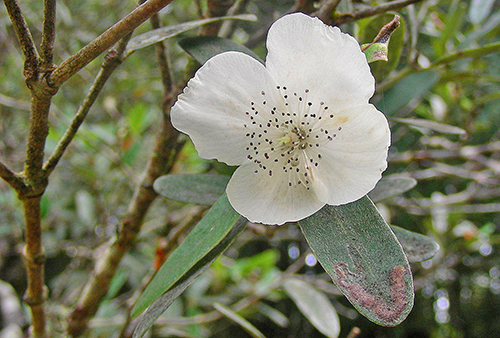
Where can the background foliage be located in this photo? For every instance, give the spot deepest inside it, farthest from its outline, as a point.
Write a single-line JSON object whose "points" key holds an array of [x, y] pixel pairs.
{"points": [[456, 201]]}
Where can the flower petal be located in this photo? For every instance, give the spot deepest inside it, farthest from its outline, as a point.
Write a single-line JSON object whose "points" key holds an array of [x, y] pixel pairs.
{"points": [[303, 53], [212, 108], [353, 162], [262, 198]]}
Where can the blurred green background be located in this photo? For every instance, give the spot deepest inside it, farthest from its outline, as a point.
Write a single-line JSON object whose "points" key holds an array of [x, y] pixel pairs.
{"points": [[456, 201]]}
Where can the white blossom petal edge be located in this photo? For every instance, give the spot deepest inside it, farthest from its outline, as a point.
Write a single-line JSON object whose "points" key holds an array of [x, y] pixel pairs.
{"points": [[300, 128]]}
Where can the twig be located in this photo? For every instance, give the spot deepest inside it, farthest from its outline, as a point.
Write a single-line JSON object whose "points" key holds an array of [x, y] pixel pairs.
{"points": [[13, 103], [414, 68], [215, 8], [111, 61], [325, 12], [11, 178], [160, 162], [163, 63], [468, 53], [48, 35], [227, 26], [355, 331], [24, 37], [104, 41], [360, 14]]}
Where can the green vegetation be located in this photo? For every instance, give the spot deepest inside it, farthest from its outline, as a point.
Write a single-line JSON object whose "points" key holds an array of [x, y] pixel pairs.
{"points": [[105, 231]]}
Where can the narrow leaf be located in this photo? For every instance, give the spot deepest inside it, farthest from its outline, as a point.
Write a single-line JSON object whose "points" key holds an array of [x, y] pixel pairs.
{"points": [[203, 48], [412, 87], [160, 34], [364, 259], [203, 189], [417, 247], [245, 324], [436, 126], [197, 246], [314, 305], [274, 315], [391, 186], [479, 10], [161, 304]]}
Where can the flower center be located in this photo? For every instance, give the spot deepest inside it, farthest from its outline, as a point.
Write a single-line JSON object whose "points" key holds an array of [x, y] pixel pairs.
{"points": [[288, 140]]}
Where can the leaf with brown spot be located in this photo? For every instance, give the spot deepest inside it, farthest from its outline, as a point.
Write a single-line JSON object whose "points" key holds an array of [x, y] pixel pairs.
{"points": [[363, 257]]}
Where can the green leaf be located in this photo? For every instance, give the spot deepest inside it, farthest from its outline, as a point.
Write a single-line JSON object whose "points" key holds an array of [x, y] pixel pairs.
{"points": [[314, 305], [204, 243], [203, 189], [411, 87], [163, 33], [436, 126], [479, 10], [391, 186], [245, 324], [375, 52], [452, 22], [274, 315], [163, 302], [417, 247], [202, 48], [364, 259]]}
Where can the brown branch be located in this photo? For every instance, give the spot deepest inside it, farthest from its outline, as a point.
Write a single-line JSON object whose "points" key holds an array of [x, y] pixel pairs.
{"points": [[360, 14], [24, 37], [325, 12], [37, 135], [160, 162], [215, 8], [104, 41], [163, 63], [14, 180], [48, 35], [36, 292], [112, 60]]}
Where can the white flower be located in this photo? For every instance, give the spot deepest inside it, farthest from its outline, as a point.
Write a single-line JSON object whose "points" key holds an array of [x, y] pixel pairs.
{"points": [[300, 128]]}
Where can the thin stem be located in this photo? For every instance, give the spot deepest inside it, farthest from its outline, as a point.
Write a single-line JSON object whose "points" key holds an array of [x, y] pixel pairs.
{"points": [[468, 53], [325, 12], [360, 14], [11, 178], [13, 103], [355, 331], [48, 35], [24, 37], [215, 8], [111, 61], [104, 41], [34, 259], [162, 57], [160, 162]]}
